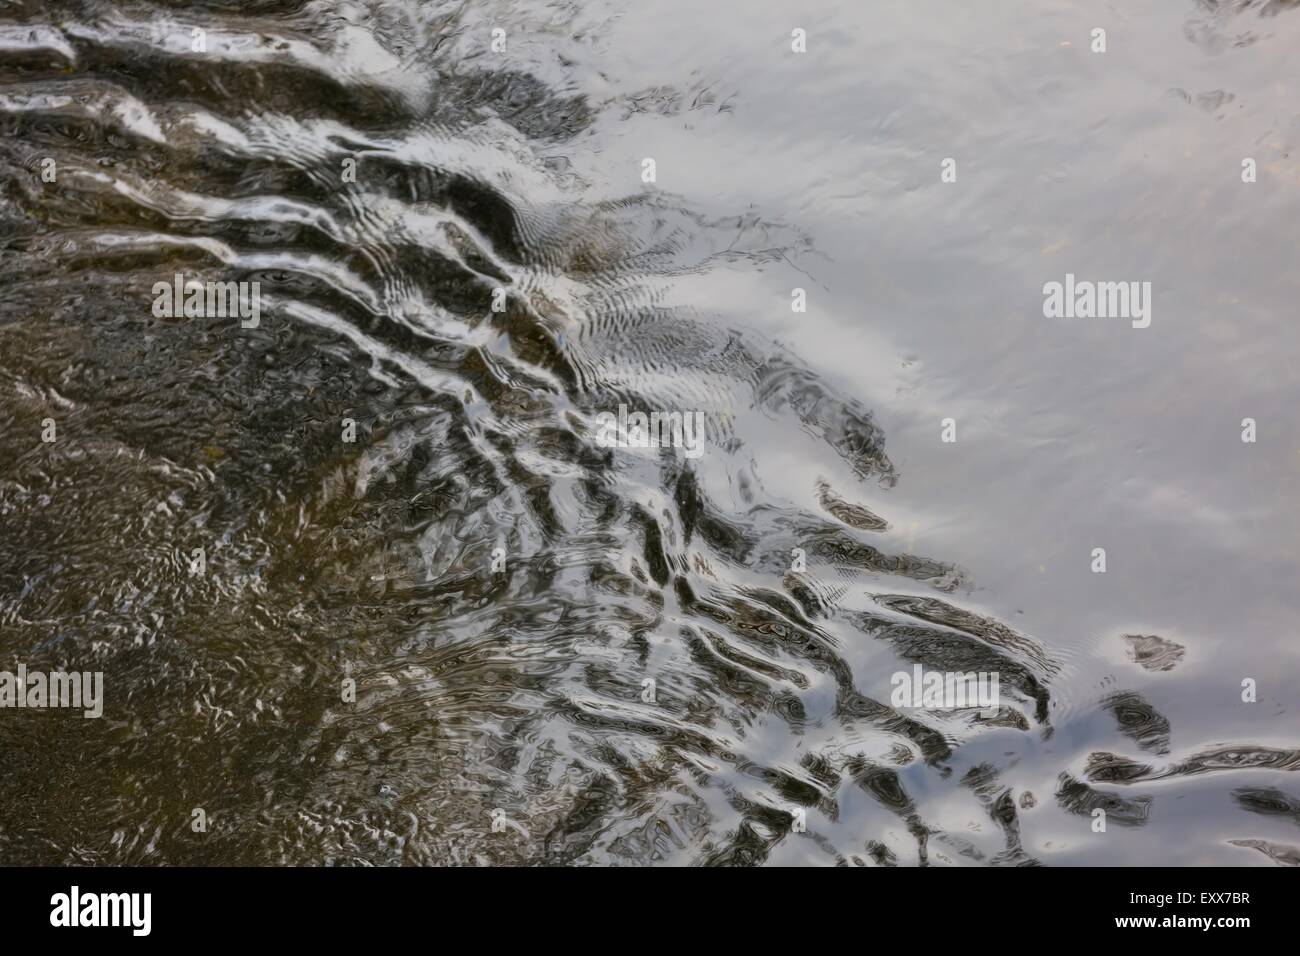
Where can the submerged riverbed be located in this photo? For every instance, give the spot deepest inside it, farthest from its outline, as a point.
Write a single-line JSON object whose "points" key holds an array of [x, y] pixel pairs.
{"points": [[371, 580]]}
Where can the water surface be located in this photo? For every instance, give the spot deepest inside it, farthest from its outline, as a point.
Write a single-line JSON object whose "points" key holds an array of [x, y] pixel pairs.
{"points": [[502, 712]]}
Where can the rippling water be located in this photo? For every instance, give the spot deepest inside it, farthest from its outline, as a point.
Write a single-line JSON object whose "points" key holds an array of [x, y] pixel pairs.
{"points": [[570, 653]]}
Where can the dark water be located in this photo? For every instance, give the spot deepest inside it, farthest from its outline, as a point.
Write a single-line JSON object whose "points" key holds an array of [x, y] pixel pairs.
{"points": [[501, 714]]}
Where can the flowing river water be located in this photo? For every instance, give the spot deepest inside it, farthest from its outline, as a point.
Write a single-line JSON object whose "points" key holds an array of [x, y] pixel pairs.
{"points": [[474, 634]]}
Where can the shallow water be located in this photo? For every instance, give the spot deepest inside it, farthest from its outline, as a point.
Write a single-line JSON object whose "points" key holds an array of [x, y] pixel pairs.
{"points": [[499, 585]]}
